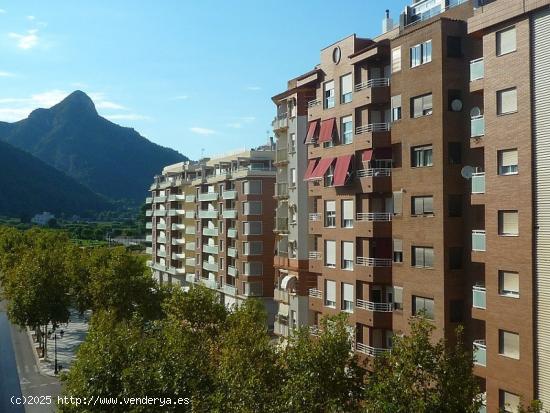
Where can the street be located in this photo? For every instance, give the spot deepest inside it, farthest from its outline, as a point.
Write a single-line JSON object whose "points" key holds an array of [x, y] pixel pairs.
{"points": [[19, 375]]}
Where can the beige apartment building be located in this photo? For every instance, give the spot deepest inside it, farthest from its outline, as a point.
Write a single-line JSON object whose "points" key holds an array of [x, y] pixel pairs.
{"points": [[427, 186]]}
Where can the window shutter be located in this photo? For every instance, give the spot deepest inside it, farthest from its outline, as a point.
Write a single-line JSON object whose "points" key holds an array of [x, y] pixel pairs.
{"points": [[397, 245], [418, 256], [511, 401], [398, 202], [396, 101], [428, 204], [509, 158], [398, 295], [346, 84], [427, 102], [330, 252], [506, 41], [418, 205], [509, 222], [330, 290], [396, 59], [511, 344], [347, 292], [330, 206], [347, 207], [428, 257], [417, 107], [510, 281], [347, 251], [508, 101]]}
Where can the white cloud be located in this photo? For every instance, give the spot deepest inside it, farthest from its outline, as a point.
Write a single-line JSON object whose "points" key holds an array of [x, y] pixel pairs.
{"points": [[25, 41], [127, 116], [6, 74], [106, 104], [180, 97], [239, 122], [202, 131], [253, 88], [31, 18], [2, 11]]}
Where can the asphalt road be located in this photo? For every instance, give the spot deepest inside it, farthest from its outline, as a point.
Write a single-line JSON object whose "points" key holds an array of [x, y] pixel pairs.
{"points": [[19, 375]]}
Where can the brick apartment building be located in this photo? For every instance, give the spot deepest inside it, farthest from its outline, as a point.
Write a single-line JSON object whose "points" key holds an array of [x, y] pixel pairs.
{"points": [[427, 187]]}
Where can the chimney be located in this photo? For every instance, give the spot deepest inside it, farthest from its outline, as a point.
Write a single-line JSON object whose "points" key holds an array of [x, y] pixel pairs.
{"points": [[387, 23], [271, 143]]}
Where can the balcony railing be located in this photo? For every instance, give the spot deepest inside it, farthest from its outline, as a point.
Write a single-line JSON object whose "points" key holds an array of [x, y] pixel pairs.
{"points": [[209, 283], [190, 198], [479, 299], [381, 82], [371, 306], [190, 262], [160, 213], [210, 249], [370, 351], [159, 199], [281, 190], [373, 262], [281, 155], [478, 183], [480, 352], [229, 194], [148, 200], [231, 232], [232, 252], [313, 103], [190, 278], [210, 232], [149, 238], [372, 127], [315, 216], [281, 224], [190, 230], [189, 214], [478, 240], [149, 213], [231, 270], [229, 289], [280, 121], [229, 214], [373, 172], [161, 240], [208, 214], [374, 216], [149, 225], [477, 69], [161, 225], [176, 197], [208, 196], [178, 241], [161, 254], [315, 293], [477, 126], [210, 266], [315, 255], [177, 256], [148, 250], [178, 227], [190, 246]]}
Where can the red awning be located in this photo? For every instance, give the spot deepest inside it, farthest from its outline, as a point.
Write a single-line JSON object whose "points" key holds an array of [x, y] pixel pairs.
{"points": [[367, 155], [311, 129], [341, 170], [383, 153], [327, 128], [310, 167], [322, 168]]}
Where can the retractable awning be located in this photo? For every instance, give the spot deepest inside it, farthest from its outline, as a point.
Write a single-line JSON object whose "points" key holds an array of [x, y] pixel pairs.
{"points": [[322, 168], [310, 168], [311, 129], [327, 129], [341, 170]]}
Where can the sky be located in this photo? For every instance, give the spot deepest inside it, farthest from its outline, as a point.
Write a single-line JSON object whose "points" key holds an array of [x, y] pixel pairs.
{"points": [[196, 76]]}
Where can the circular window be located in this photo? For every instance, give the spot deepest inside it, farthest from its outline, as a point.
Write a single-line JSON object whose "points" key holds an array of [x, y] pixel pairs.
{"points": [[336, 54]]}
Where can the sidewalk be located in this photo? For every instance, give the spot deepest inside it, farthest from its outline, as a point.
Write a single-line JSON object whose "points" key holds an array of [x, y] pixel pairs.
{"points": [[74, 334]]}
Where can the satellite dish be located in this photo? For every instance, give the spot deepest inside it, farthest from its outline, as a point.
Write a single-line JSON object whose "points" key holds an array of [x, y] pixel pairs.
{"points": [[467, 172], [475, 112], [456, 105]]}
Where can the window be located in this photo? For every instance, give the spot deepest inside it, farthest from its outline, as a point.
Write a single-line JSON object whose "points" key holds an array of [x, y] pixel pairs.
{"points": [[293, 177], [506, 41], [508, 284], [347, 255], [455, 258], [330, 254], [397, 202], [292, 143], [347, 297], [421, 156], [397, 250], [456, 311], [508, 223], [508, 162], [347, 213], [252, 228], [509, 402], [329, 94], [254, 289], [395, 108], [330, 293], [329, 177], [398, 298], [507, 101], [253, 268], [455, 153], [347, 130], [253, 247], [454, 46], [422, 205], [421, 106], [508, 344], [423, 306], [421, 53], [455, 206], [221, 264], [221, 245], [252, 208], [396, 59], [330, 214], [252, 187], [346, 88], [422, 257]]}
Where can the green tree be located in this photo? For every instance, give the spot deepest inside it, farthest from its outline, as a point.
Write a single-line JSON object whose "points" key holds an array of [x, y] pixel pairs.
{"points": [[323, 375], [421, 376]]}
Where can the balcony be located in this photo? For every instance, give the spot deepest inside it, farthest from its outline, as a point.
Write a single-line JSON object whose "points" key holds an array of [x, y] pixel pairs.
{"points": [[190, 246], [478, 183], [159, 213], [373, 269], [190, 262], [209, 283], [149, 213], [313, 103], [479, 299], [210, 232], [208, 214], [372, 127], [232, 252], [281, 295], [210, 249], [377, 307], [229, 194], [178, 256], [189, 214], [190, 198], [176, 212], [372, 83], [161, 225], [477, 126], [148, 250], [231, 270], [477, 69], [208, 196], [210, 266], [315, 293], [231, 232], [281, 225], [178, 241], [245, 172], [159, 199], [373, 262], [149, 238], [372, 91], [478, 240], [161, 240], [190, 230], [374, 216], [149, 225], [178, 227], [281, 156], [370, 351], [190, 278], [176, 197], [229, 214], [480, 352], [281, 190], [315, 262], [280, 121], [315, 216], [161, 254], [149, 200], [229, 289], [280, 329]]}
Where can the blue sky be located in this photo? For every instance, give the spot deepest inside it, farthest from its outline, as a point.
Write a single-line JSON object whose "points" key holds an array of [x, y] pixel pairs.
{"points": [[192, 75]]}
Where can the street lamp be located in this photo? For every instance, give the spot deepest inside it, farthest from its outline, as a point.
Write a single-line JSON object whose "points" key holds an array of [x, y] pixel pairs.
{"points": [[56, 368]]}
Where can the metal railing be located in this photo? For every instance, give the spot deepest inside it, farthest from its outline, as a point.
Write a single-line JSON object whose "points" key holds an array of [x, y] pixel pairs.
{"points": [[374, 216], [210, 266], [208, 196], [315, 216], [231, 232], [370, 351], [478, 183], [210, 249], [478, 240], [480, 352], [231, 270], [315, 293], [477, 69], [229, 289], [373, 262], [208, 213], [229, 214], [314, 255], [373, 172], [313, 103], [380, 82], [232, 252], [210, 232], [372, 127], [371, 306], [231, 194], [479, 299]]}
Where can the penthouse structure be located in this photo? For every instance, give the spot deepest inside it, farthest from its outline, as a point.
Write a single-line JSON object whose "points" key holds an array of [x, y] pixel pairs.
{"points": [[427, 185]]}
